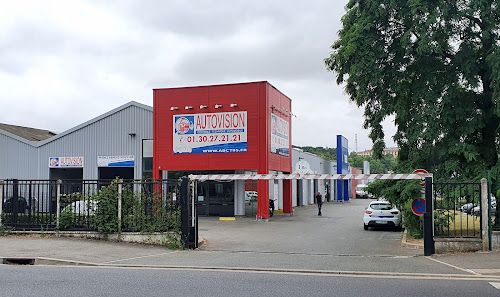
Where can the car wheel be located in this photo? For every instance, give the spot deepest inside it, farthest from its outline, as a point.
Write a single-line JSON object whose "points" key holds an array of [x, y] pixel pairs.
{"points": [[398, 228], [365, 226]]}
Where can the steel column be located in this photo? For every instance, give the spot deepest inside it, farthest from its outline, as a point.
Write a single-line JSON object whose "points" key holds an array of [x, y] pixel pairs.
{"points": [[429, 247], [185, 212]]}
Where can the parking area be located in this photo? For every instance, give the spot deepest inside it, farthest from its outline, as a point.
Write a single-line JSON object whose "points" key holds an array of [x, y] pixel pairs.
{"points": [[339, 231]]}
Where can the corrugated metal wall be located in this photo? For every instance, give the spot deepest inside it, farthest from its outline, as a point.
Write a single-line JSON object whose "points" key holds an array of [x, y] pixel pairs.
{"points": [[108, 136], [17, 159]]}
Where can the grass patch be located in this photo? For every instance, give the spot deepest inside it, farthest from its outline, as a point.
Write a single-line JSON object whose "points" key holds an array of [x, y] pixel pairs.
{"points": [[456, 224]]}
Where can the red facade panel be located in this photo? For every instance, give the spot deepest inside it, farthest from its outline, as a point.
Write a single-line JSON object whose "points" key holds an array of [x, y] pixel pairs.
{"points": [[251, 100]]}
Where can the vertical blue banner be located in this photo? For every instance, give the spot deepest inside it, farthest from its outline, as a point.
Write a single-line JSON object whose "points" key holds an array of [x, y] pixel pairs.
{"points": [[342, 168]]}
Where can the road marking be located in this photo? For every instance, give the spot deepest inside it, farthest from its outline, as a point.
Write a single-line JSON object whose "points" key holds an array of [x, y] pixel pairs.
{"points": [[496, 285], [227, 219], [456, 267], [141, 257], [324, 273]]}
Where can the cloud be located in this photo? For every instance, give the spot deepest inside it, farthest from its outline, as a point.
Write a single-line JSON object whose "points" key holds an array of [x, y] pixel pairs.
{"points": [[63, 63]]}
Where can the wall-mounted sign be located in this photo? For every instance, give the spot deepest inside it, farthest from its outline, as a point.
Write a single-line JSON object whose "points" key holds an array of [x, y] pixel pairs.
{"points": [[115, 161], [206, 133], [55, 162], [302, 167], [280, 140]]}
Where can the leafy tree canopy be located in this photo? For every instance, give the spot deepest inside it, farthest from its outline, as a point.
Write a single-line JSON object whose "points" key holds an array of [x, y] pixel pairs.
{"points": [[384, 165], [323, 152], [435, 66]]}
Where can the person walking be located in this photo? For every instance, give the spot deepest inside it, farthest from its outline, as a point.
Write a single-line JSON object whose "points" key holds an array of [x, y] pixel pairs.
{"points": [[318, 199]]}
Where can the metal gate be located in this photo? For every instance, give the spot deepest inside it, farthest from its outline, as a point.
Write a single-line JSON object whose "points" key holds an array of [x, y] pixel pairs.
{"points": [[457, 210]]}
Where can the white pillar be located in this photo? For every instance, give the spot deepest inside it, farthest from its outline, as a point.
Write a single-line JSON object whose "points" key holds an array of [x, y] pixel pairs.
{"points": [[239, 197], [280, 194], [484, 214]]}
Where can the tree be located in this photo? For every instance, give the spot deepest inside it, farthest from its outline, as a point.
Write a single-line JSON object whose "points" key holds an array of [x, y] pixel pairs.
{"points": [[435, 66], [323, 152], [355, 160], [386, 164]]}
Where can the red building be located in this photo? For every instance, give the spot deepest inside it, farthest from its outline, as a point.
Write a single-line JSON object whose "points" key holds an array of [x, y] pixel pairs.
{"points": [[234, 128]]}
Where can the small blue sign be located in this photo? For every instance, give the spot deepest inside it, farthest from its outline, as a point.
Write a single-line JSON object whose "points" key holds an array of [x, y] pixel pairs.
{"points": [[418, 206]]}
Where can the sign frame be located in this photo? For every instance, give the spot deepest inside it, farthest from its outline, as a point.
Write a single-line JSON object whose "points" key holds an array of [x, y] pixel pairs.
{"points": [[208, 133], [66, 162], [418, 206]]}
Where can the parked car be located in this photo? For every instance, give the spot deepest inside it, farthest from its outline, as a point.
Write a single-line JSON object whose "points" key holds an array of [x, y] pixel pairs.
{"points": [[250, 196], [361, 192], [467, 208], [23, 205], [83, 207], [382, 213], [493, 208]]}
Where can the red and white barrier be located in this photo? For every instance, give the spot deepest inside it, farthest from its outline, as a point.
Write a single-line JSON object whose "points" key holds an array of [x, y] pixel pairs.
{"points": [[220, 177]]}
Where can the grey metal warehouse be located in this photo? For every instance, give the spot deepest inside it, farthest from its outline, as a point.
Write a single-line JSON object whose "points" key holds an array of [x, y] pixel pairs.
{"points": [[117, 143]]}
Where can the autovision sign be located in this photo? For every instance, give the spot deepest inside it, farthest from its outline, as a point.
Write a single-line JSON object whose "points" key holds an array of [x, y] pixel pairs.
{"points": [[55, 162], [205, 133], [280, 139]]}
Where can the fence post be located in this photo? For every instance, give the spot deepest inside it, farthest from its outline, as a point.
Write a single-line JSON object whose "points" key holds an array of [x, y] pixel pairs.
{"points": [[484, 214], [120, 185], [193, 230], [429, 247], [490, 247], [58, 202], [1, 201], [185, 212]]}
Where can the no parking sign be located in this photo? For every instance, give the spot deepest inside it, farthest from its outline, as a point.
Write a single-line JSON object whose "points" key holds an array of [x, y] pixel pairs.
{"points": [[418, 206], [421, 171]]}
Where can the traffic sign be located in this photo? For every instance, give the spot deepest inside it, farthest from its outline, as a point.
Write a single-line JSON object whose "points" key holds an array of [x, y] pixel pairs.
{"points": [[302, 167], [418, 206], [421, 171]]}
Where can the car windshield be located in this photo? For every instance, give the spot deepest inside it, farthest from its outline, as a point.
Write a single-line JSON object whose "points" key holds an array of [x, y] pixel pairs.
{"points": [[381, 206]]}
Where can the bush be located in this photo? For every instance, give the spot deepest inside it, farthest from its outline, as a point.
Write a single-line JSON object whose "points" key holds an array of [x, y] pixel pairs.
{"points": [[143, 211], [106, 215], [67, 219], [412, 222]]}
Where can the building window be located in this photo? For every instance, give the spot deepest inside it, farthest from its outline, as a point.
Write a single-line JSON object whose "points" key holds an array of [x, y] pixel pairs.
{"points": [[147, 158]]}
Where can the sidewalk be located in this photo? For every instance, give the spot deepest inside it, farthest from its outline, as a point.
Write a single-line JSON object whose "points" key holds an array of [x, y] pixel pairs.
{"points": [[303, 242]]}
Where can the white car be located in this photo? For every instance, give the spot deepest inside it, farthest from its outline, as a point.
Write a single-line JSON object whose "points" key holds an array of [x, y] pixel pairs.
{"points": [[493, 208], [250, 196], [382, 213], [362, 193], [83, 207]]}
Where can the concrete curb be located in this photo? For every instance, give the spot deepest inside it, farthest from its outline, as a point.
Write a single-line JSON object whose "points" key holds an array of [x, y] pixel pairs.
{"points": [[157, 238], [61, 262], [406, 244]]}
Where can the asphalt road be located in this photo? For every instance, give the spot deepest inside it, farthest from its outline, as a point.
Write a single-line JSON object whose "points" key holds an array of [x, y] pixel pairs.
{"points": [[86, 281], [339, 231]]}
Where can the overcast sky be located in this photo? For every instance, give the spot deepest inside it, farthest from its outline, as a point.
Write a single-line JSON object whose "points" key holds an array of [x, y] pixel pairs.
{"points": [[65, 62]]}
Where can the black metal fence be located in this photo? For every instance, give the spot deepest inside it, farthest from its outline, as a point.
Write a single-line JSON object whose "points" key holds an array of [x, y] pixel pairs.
{"points": [[457, 210], [134, 205]]}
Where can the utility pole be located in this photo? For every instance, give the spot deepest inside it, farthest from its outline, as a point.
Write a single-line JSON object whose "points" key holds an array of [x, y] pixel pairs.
{"points": [[356, 142]]}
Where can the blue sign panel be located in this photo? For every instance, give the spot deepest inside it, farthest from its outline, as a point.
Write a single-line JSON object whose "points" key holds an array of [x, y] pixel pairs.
{"points": [[342, 168]]}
